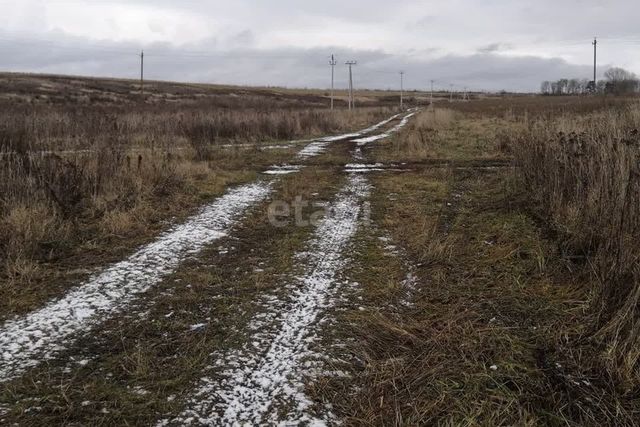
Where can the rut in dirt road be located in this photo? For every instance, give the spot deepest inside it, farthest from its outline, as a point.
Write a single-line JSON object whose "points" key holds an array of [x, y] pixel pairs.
{"points": [[263, 382], [27, 341], [374, 138], [321, 144], [266, 376]]}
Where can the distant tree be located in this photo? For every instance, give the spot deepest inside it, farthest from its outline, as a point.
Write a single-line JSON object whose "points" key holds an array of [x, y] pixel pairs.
{"points": [[617, 74], [563, 85], [584, 86], [620, 81], [600, 86], [573, 87]]}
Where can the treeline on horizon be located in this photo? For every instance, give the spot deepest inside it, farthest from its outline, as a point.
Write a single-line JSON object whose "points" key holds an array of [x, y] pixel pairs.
{"points": [[617, 81]]}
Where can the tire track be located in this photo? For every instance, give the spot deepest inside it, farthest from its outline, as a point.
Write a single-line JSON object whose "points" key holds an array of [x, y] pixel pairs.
{"points": [[263, 382], [366, 140], [28, 340], [266, 375]]}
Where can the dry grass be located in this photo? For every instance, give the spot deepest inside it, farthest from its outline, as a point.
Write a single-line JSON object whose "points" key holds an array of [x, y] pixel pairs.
{"points": [[500, 327], [100, 179], [582, 172], [438, 134], [484, 341], [70, 90], [522, 107]]}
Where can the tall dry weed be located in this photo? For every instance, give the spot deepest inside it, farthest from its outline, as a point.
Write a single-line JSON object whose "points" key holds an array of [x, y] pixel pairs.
{"points": [[99, 170], [584, 174]]}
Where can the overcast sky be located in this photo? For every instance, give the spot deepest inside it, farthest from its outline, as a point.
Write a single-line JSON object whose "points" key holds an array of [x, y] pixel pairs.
{"points": [[488, 44]]}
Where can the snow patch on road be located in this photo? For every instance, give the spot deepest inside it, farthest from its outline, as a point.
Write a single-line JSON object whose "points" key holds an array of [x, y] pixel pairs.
{"points": [[314, 149], [396, 128], [268, 373], [356, 166], [376, 167], [283, 170], [27, 341], [320, 145], [359, 133]]}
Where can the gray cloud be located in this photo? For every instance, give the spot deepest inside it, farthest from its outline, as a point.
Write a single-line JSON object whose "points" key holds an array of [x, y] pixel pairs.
{"points": [[293, 67], [494, 45]]}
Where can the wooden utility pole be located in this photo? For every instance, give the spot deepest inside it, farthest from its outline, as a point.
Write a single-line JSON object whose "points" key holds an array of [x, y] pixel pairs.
{"points": [[351, 98], [142, 72], [595, 62], [431, 100], [333, 64], [401, 90]]}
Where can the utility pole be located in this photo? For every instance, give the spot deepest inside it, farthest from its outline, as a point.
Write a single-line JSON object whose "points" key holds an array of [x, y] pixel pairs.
{"points": [[451, 93], [333, 64], [142, 72], [431, 100], [401, 90], [595, 63], [351, 99]]}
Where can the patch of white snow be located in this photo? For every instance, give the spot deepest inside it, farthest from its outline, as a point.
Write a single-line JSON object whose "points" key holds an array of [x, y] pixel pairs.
{"points": [[268, 372]]}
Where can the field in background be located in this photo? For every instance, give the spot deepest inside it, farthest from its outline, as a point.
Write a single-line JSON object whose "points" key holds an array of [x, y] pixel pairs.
{"points": [[28, 88]]}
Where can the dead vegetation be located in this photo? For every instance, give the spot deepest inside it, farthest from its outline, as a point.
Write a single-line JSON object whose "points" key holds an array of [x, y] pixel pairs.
{"points": [[524, 309], [444, 134], [81, 185], [583, 177], [144, 368]]}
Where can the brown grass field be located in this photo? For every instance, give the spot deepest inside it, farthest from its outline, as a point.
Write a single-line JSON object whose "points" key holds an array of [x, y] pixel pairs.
{"points": [[496, 283]]}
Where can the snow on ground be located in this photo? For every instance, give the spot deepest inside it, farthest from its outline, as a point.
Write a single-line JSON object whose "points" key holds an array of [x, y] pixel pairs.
{"points": [[373, 167], [313, 149], [268, 373], [410, 282], [320, 145], [28, 340], [364, 168], [282, 170], [356, 166], [374, 138], [360, 133]]}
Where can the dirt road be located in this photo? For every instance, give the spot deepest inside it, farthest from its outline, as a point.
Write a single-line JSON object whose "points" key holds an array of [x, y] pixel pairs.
{"points": [[259, 381]]}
